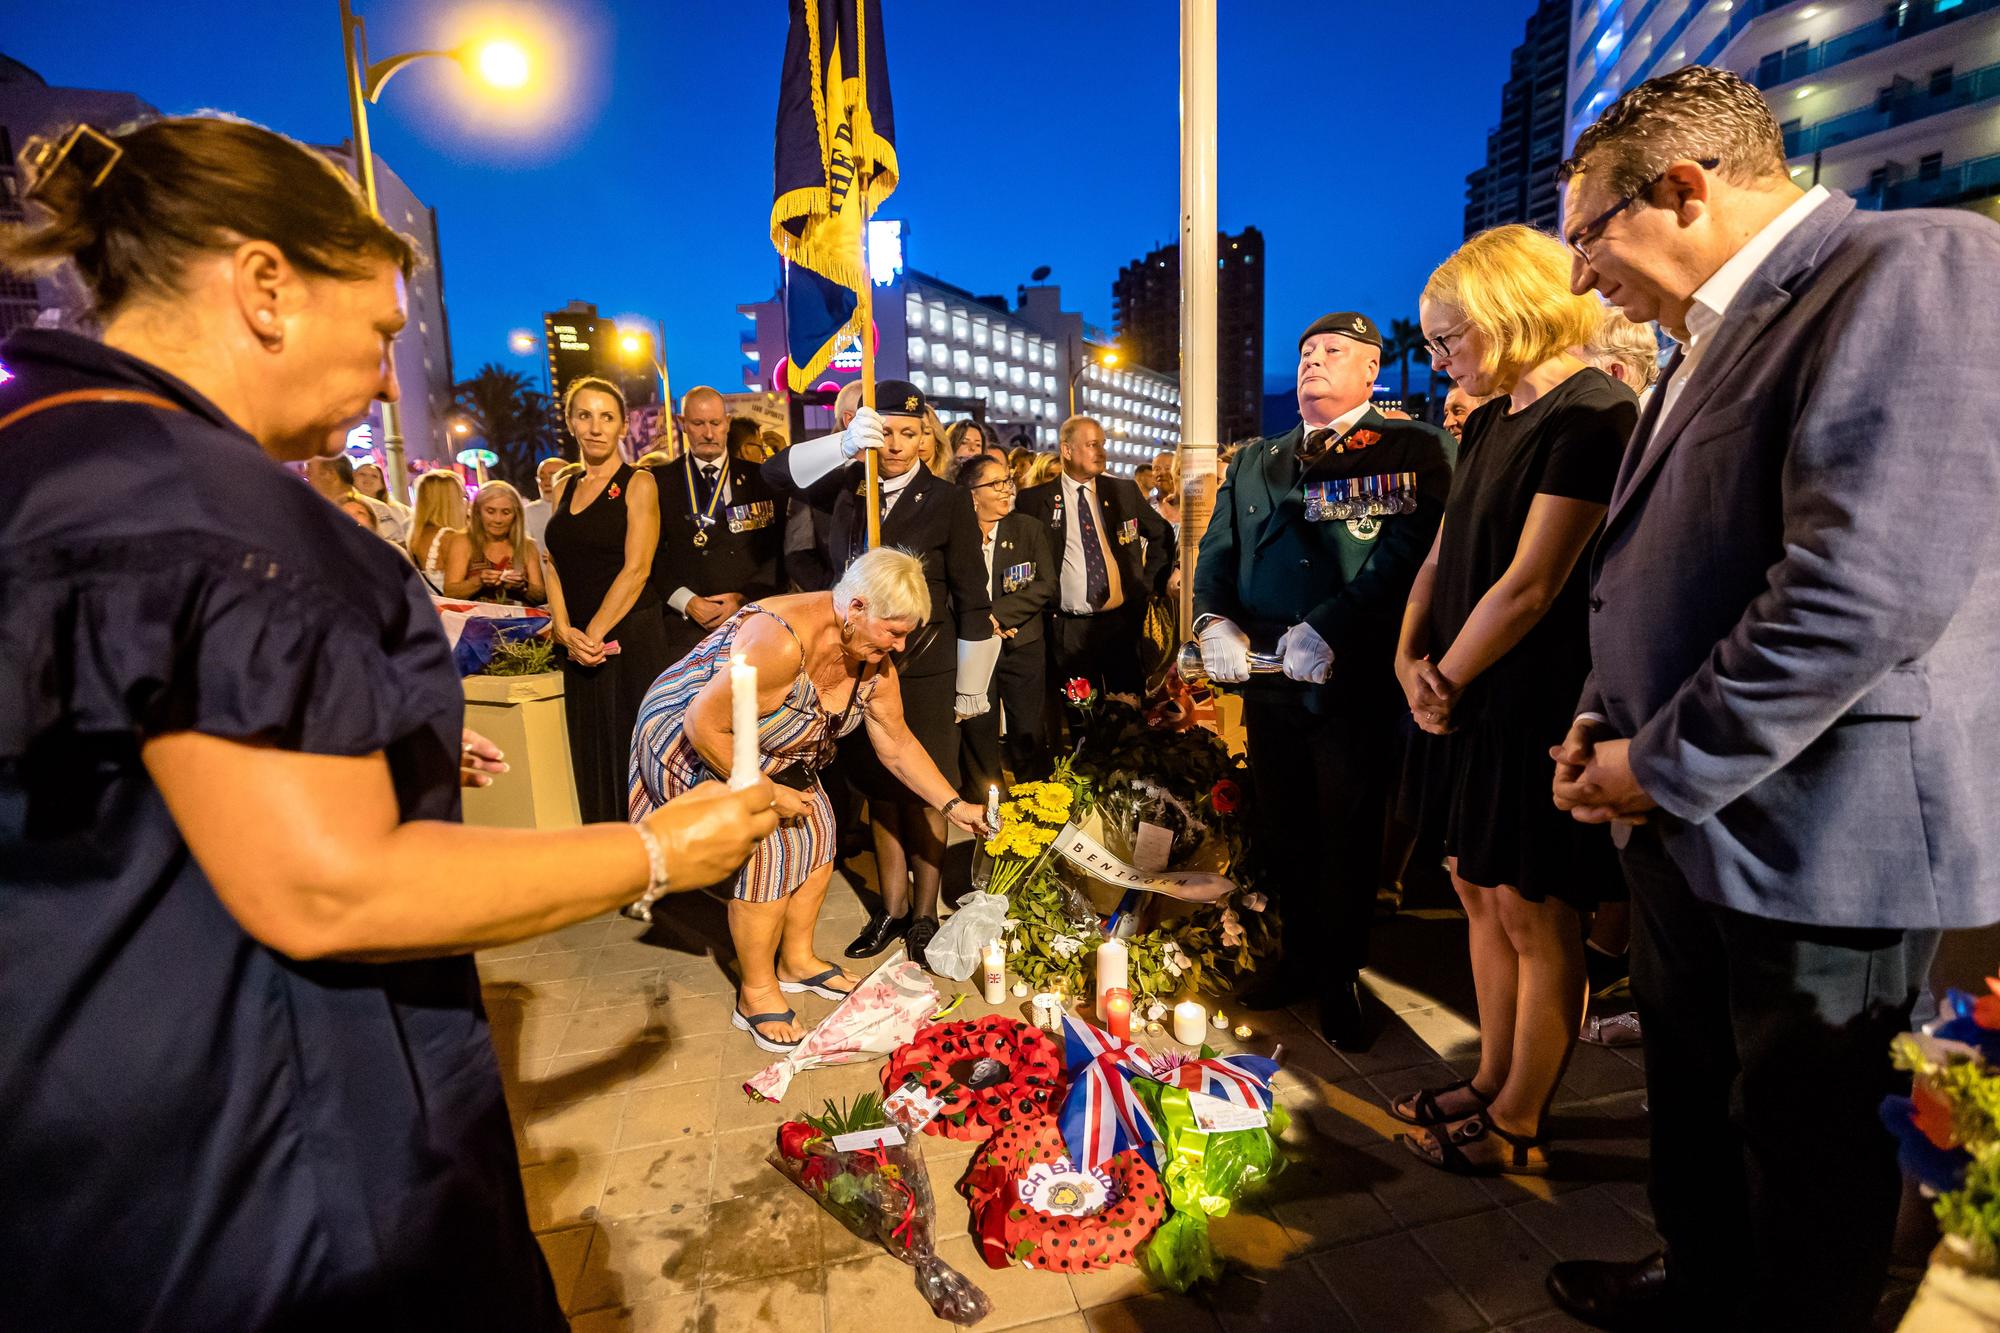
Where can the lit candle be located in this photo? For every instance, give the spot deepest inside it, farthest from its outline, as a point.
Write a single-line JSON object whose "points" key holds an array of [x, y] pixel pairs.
{"points": [[1113, 959], [1221, 1020], [993, 808], [1020, 990], [1243, 1032], [1190, 1023], [994, 981], [743, 771], [1118, 1012]]}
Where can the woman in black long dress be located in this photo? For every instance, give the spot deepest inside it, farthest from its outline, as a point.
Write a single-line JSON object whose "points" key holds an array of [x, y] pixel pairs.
{"points": [[1493, 653], [246, 1080], [603, 524]]}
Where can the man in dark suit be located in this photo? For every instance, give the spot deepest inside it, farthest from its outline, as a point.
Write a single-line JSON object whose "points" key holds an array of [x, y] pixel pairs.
{"points": [[719, 528], [1316, 537], [1795, 621], [1112, 552], [1021, 565]]}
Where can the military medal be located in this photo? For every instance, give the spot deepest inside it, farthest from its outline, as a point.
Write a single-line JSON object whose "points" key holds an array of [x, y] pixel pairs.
{"points": [[702, 521]]}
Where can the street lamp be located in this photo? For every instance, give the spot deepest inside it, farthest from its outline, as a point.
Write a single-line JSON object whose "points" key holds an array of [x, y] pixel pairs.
{"points": [[631, 347], [1108, 358], [502, 63]]}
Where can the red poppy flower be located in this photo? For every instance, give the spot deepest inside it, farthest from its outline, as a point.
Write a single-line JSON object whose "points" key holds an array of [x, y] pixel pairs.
{"points": [[1361, 439], [1226, 797], [1986, 1009], [1078, 690], [1932, 1117], [613, 492], [793, 1136]]}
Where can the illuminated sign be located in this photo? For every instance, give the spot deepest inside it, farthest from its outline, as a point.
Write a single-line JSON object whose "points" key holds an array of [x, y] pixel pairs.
{"points": [[885, 251]]}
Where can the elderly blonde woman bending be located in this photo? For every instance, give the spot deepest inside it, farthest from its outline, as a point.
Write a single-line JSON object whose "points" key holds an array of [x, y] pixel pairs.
{"points": [[823, 669]]}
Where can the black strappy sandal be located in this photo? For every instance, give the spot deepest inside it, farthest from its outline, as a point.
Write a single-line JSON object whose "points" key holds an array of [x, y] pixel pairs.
{"points": [[1450, 1155], [1424, 1111]]}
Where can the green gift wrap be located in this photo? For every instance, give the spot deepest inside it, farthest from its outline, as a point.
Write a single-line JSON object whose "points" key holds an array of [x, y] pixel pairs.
{"points": [[1204, 1173]]}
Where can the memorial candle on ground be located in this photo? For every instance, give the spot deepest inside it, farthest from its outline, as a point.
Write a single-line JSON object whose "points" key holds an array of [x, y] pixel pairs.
{"points": [[742, 723], [1118, 1012], [994, 981], [1190, 1023], [1113, 960]]}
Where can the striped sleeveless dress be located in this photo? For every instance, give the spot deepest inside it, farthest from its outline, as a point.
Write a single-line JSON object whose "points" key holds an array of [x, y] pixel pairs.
{"points": [[665, 762]]}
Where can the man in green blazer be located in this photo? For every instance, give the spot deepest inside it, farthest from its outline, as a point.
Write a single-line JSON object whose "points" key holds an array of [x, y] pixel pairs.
{"points": [[1316, 537]]}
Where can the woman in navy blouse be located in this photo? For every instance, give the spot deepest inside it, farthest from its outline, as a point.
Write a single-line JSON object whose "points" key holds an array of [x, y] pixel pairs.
{"points": [[246, 1077]]}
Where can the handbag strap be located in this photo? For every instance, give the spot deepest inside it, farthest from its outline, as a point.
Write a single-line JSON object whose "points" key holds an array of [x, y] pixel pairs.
{"points": [[139, 396]]}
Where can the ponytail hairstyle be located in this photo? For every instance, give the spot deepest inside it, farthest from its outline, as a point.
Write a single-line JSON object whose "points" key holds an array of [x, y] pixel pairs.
{"points": [[133, 208]]}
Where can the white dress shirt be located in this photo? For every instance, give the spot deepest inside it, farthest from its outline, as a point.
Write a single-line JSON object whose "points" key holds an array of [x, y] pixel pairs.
{"points": [[536, 515], [1075, 582], [679, 598], [1341, 424]]}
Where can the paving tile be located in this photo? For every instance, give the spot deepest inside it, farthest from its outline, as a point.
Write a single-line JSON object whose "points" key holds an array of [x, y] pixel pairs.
{"points": [[1594, 1071], [1552, 1321], [634, 1067], [698, 1015], [1160, 1312], [564, 1190], [564, 1251], [1631, 1196], [658, 1179], [1107, 1286], [643, 1258], [609, 1029], [741, 1165], [1019, 1295], [1587, 1224], [1490, 1258], [1326, 1201], [1394, 1047], [629, 956], [1286, 1299], [670, 1314], [582, 1128], [586, 934], [1065, 1323], [1347, 1112], [530, 1041], [601, 990], [792, 1302], [761, 1235], [1251, 1237], [1391, 1286], [1417, 1194], [533, 968], [671, 1114]]}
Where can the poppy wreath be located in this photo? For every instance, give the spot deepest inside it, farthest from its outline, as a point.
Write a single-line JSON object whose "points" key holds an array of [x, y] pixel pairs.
{"points": [[1032, 1089], [1010, 1232]]}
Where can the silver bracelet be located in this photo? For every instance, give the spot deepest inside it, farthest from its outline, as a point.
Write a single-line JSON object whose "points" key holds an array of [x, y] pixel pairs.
{"points": [[656, 874]]}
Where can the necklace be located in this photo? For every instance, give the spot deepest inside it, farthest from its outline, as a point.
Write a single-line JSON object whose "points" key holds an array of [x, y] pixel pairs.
{"points": [[703, 520]]}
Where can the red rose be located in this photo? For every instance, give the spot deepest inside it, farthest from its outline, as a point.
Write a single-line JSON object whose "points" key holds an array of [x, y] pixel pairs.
{"points": [[793, 1136], [819, 1169], [1361, 439], [1226, 797], [1078, 690]]}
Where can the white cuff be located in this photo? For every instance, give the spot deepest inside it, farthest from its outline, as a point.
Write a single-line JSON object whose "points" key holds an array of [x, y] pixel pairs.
{"points": [[809, 460], [976, 659], [680, 599], [1598, 718]]}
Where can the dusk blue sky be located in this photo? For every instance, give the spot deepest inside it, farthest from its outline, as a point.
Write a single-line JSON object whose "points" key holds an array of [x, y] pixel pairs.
{"points": [[1030, 132]]}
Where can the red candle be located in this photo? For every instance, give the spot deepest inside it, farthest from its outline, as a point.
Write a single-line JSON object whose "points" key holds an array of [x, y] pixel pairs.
{"points": [[1118, 1012]]}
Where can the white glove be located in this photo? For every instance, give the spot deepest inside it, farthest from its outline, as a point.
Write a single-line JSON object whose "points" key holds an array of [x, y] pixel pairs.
{"points": [[976, 660], [1307, 658], [864, 432], [1225, 651], [971, 705]]}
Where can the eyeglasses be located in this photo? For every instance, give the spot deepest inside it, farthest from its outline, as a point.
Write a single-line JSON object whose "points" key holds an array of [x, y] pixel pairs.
{"points": [[1440, 346], [1005, 487], [1593, 231]]}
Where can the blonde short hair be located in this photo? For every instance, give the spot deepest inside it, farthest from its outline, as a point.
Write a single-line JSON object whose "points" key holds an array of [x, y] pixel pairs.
{"points": [[891, 581], [1512, 282], [1633, 346]]}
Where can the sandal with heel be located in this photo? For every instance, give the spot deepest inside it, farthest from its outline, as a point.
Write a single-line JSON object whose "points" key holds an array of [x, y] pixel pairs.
{"points": [[1425, 1112], [1450, 1155]]}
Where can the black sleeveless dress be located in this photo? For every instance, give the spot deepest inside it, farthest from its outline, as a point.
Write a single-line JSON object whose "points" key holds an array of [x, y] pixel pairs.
{"points": [[601, 703]]}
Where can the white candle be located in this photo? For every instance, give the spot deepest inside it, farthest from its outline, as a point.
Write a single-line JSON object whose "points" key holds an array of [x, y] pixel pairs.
{"points": [[994, 986], [1190, 1023], [743, 722], [993, 808], [1113, 959]]}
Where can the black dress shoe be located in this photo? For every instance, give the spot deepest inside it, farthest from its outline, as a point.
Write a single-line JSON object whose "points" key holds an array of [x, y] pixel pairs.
{"points": [[1342, 1021], [1389, 898], [1275, 991], [921, 931], [876, 935], [1630, 1297]]}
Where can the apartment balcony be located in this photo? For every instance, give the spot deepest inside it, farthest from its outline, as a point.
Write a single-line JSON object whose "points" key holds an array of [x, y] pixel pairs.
{"points": [[1973, 179], [1916, 20], [1915, 103]]}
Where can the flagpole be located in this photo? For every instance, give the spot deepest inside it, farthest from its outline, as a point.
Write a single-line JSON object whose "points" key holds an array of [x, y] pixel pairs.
{"points": [[1198, 296], [865, 305]]}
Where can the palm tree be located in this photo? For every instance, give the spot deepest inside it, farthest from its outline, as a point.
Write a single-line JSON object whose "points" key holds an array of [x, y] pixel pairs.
{"points": [[511, 417], [1405, 337]]}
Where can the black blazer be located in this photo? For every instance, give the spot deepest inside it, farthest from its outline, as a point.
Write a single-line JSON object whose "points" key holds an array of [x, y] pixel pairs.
{"points": [[1020, 540], [933, 521], [1141, 572], [743, 547]]}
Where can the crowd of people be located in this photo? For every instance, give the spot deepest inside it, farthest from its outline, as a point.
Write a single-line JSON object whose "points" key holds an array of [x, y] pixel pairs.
{"points": [[1693, 660]]}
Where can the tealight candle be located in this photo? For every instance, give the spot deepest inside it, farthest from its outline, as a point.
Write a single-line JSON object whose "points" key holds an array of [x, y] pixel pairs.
{"points": [[1243, 1032], [1020, 990], [1113, 962], [1190, 1022], [742, 723], [1154, 1029], [1118, 1012], [1221, 1021]]}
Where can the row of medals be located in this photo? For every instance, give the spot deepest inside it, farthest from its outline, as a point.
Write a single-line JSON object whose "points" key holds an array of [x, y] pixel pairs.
{"points": [[1375, 501]]}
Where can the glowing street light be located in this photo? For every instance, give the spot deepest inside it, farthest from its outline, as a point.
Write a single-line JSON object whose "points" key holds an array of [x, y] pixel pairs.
{"points": [[521, 342], [632, 347], [498, 61], [1106, 357]]}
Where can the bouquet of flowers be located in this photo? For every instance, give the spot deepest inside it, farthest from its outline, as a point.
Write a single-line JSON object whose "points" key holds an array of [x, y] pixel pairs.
{"points": [[1029, 823], [869, 1173], [879, 1015]]}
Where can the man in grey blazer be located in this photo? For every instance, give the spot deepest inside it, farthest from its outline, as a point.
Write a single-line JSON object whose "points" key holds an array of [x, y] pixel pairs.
{"points": [[1795, 632]]}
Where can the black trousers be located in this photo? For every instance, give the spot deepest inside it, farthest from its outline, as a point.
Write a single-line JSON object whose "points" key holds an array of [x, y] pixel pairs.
{"points": [[1103, 649], [1773, 1182], [1322, 793], [1020, 685]]}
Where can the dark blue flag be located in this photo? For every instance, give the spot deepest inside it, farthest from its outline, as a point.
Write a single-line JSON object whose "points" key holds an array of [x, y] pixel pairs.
{"points": [[817, 209]]}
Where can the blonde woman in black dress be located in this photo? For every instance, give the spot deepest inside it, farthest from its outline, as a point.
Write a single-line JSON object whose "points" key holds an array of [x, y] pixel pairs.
{"points": [[597, 565]]}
